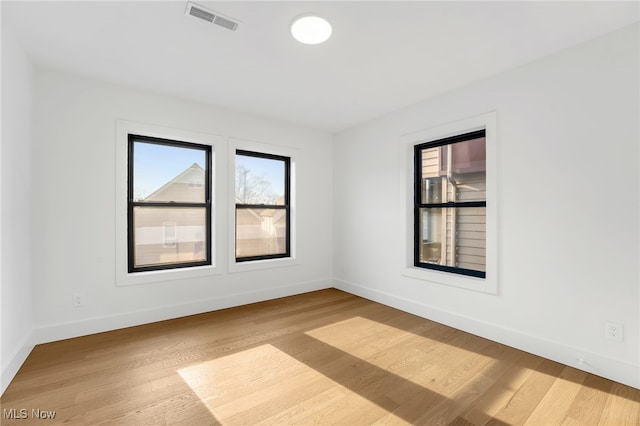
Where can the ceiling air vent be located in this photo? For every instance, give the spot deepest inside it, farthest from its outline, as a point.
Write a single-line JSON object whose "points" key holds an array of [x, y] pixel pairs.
{"points": [[210, 16]]}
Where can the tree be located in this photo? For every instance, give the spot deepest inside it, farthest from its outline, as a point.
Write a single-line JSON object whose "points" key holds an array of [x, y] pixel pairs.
{"points": [[253, 189]]}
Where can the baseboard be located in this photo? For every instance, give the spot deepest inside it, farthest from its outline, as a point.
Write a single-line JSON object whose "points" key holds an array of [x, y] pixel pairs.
{"points": [[68, 330], [593, 363], [575, 357], [11, 366], [60, 331]]}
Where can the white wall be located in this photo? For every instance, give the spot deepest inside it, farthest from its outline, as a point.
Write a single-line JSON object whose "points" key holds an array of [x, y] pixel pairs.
{"points": [[15, 226], [74, 165], [568, 208]]}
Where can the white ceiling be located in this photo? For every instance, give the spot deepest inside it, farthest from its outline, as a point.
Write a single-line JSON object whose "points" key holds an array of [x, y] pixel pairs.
{"points": [[382, 56]]}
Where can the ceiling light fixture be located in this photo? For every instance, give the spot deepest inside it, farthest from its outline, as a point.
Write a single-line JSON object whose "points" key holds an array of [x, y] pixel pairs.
{"points": [[310, 29]]}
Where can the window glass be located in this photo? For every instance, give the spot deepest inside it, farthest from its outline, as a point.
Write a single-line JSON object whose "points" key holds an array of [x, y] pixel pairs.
{"points": [[466, 157], [163, 173], [169, 213], [165, 236], [260, 180], [261, 232], [463, 178], [262, 206], [454, 237], [450, 204]]}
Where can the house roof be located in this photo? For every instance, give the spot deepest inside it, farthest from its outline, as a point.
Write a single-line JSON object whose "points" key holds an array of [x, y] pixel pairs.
{"points": [[183, 177]]}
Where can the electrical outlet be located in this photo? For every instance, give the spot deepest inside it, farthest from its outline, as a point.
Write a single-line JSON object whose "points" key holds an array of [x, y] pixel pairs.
{"points": [[77, 300], [614, 331]]}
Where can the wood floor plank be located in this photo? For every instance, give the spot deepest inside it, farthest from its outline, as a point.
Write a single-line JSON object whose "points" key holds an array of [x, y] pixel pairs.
{"points": [[526, 398], [509, 373], [449, 409], [556, 402], [590, 401], [311, 410], [325, 357], [353, 412], [622, 407]]}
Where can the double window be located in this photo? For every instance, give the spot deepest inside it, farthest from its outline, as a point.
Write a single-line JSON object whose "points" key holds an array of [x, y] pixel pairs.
{"points": [[262, 206], [169, 204], [450, 204], [169, 207]]}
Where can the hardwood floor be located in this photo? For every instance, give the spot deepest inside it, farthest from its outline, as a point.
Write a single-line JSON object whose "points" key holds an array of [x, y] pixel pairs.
{"points": [[325, 357]]}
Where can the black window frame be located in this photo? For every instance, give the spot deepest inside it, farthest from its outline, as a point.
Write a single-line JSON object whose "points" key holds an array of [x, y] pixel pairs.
{"points": [[131, 203], [418, 204], [286, 207]]}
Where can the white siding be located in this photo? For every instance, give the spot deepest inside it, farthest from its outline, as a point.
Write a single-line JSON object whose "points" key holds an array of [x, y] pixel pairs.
{"points": [[470, 223]]}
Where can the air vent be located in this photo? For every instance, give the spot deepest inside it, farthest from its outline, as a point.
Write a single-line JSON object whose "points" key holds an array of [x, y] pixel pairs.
{"points": [[202, 14], [210, 16], [224, 22]]}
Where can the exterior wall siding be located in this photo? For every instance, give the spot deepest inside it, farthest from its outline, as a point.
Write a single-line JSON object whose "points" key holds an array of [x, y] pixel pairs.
{"points": [[463, 230]]}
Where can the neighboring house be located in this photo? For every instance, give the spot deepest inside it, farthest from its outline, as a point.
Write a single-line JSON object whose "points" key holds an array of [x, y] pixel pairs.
{"points": [[260, 231], [169, 234], [455, 237]]}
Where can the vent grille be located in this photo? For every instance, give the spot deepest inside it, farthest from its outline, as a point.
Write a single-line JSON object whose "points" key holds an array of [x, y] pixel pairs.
{"points": [[224, 22], [210, 16], [202, 14]]}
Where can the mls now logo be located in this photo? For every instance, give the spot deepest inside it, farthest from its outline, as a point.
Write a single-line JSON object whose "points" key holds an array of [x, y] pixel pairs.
{"points": [[23, 413], [14, 413]]}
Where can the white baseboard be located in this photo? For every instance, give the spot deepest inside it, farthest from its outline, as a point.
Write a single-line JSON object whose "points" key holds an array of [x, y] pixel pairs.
{"points": [[60, 331], [68, 330], [575, 357], [11, 365], [592, 363]]}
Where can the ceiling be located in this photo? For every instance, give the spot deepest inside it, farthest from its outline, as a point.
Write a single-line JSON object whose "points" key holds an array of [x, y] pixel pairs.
{"points": [[382, 56]]}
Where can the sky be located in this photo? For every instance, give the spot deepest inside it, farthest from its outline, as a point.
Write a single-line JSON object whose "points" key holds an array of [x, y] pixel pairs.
{"points": [[272, 171], [154, 165]]}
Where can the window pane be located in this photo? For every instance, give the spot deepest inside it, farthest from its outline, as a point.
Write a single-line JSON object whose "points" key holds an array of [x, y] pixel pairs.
{"points": [[260, 180], [466, 157], [462, 179], [168, 173], [453, 237], [169, 235], [260, 232]]}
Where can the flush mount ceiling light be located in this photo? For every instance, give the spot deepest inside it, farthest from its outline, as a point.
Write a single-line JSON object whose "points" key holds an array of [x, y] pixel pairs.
{"points": [[310, 29]]}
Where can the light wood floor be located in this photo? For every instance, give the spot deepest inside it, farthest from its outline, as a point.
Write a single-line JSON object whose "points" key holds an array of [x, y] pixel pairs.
{"points": [[319, 358]]}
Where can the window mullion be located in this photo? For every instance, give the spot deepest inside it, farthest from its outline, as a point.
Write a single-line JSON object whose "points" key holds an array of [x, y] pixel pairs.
{"points": [[260, 206], [452, 205], [168, 205]]}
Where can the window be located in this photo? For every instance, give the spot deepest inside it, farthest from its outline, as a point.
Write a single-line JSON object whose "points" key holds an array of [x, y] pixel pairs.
{"points": [[169, 239], [169, 204], [262, 206], [450, 204], [195, 184]]}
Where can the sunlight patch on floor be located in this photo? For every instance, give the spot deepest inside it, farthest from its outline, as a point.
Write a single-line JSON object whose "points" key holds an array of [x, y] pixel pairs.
{"points": [[416, 358], [264, 385], [347, 372]]}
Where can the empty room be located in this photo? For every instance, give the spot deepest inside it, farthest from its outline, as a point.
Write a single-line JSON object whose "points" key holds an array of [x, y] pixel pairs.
{"points": [[297, 213]]}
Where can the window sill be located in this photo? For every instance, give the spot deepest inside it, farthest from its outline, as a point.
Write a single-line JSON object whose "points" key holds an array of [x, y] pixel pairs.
{"points": [[255, 265], [483, 285], [136, 278]]}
